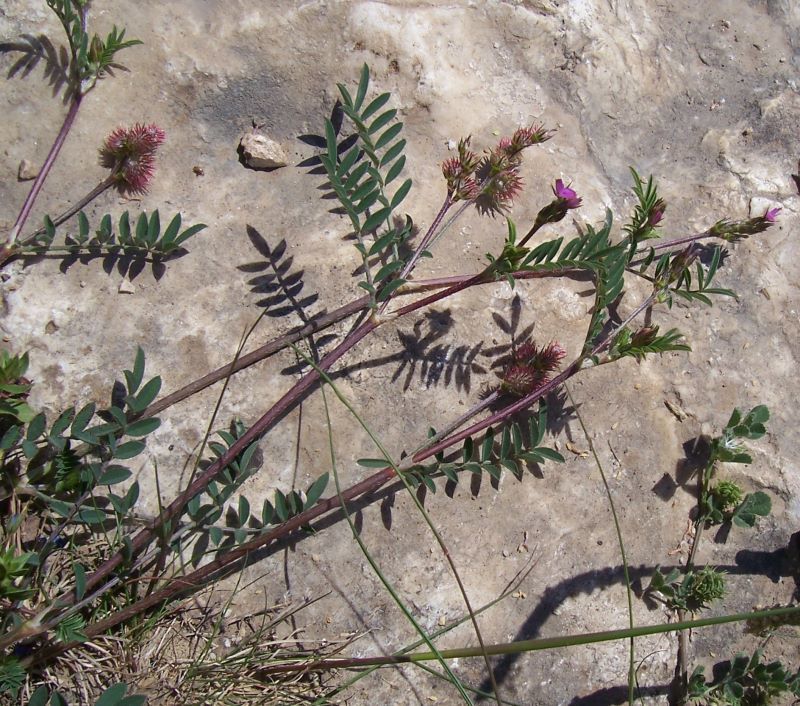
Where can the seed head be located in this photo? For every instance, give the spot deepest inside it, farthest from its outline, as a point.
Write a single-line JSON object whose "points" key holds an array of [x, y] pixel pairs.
{"points": [[130, 154]]}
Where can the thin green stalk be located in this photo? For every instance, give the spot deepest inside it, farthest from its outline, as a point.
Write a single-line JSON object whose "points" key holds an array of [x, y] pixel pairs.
{"points": [[534, 645], [510, 588], [618, 530], [453, 679], [440, 541]]}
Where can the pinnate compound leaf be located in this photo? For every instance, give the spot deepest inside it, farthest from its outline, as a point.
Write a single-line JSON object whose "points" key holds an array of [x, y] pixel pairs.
{"points": [[381, 121], [392, 152], [401, 193], [394, 170], [82, 418], [11, 438], [171, 232], [39, 697], [330, 142], [388, 270], [141, 229], [281, 509], [375, 220], [363, 84], [550, 454], [153, 229], [244, 509], [114, 474], [133, 378], [375, 105], [387, 289], [80, 581], [188, 233]]}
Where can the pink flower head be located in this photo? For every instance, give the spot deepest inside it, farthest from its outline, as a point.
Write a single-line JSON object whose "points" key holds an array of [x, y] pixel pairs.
{"points": [[772, 214], [530, 367], [568, 196], [458, 172], [533, 135], [520, 379], [130, 154]]}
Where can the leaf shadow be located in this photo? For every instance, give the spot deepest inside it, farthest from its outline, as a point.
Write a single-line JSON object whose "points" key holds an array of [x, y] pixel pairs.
{"points": [[282, 287], [35, 49], [127, 265]]}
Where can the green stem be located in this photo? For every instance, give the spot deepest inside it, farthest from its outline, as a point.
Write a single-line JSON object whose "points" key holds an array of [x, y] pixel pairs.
{"points": [[387, 585], [618, 530], [439, 540], [545, 643]]}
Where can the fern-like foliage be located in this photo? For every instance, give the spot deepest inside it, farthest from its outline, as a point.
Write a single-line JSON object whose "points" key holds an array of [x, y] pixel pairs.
{"points": [[514, 446], [361, 179], [93, 57], [646, 341], [218, 523], [591, 251], [70, 629], [642, 226], [140, 242], [744, 680], [675, 277]]}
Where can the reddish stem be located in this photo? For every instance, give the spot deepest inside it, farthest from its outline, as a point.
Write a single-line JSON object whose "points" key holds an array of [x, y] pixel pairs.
{"points": [[39, 182]]}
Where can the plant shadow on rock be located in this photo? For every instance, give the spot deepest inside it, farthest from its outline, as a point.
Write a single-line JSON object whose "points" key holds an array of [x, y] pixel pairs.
{"points": [[37, 49], [590, 581], [283, 288]]}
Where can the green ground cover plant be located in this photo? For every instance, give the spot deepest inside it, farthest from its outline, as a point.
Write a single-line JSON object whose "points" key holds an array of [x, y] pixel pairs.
{"points": [[77, 561]]}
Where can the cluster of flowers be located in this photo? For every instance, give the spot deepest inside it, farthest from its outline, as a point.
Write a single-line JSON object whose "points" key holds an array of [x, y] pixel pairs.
{"points": [[530, 367], [491, 181], [130, 154]]}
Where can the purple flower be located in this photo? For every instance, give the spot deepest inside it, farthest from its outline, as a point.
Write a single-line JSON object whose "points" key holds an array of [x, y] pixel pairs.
{"points": [[772, 214], [656, 213], [568, 196]]}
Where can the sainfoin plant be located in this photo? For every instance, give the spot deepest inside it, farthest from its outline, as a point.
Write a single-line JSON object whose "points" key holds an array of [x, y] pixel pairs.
{"points": [[67, 484]]}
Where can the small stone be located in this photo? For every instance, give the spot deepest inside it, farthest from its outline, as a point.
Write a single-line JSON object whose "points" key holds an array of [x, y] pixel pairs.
{"points": [[27, 170], [50, 327], [125, 287], [442, 621], [505, 553], [260, 152]]}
